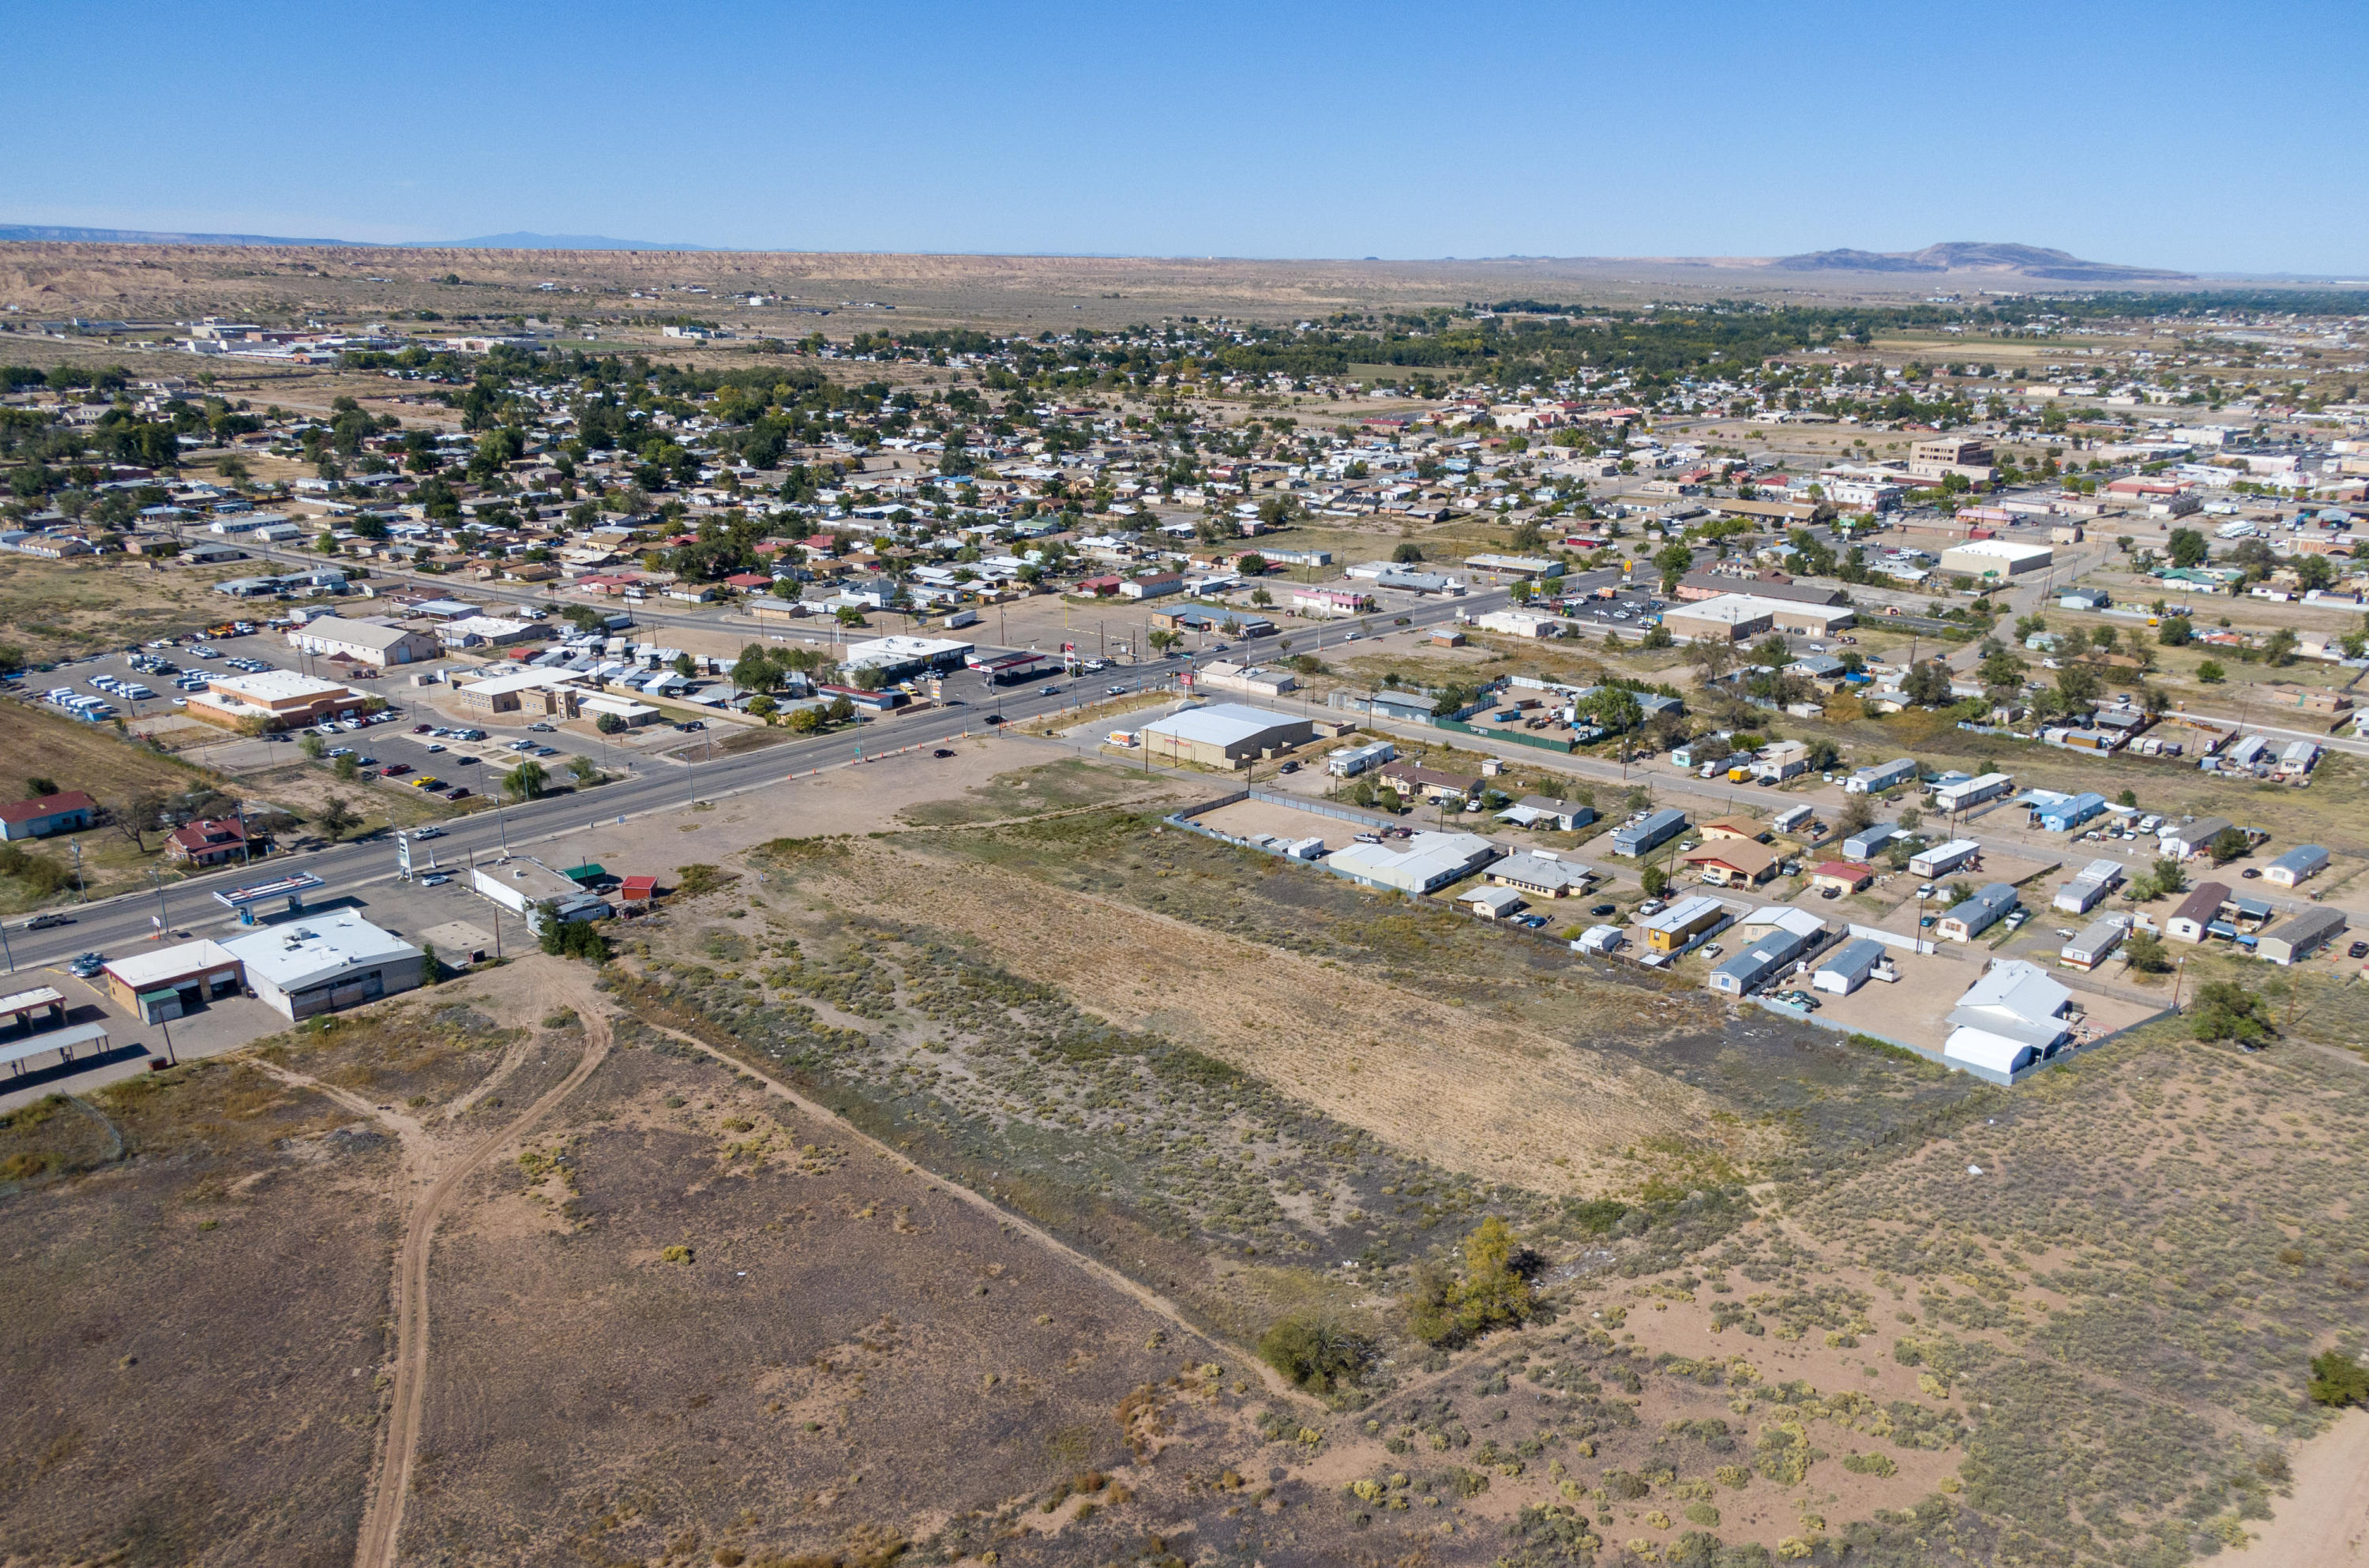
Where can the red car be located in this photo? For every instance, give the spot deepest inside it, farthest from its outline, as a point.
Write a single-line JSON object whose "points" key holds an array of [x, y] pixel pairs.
{"points": [[396, 770]]}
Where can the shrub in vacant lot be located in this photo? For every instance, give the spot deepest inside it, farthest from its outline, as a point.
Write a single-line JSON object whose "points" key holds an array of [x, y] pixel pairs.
{"points": [[1319, 1353], [2338, 1379]]}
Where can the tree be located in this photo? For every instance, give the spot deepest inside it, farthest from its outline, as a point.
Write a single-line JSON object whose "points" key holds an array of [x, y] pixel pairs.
{"points": [[1521, 592], [2211, 673], [763, 707], [684, 667], [2188, 547], [136, 816], [1927, 685], [1674, 560], [805, 721], [584, 770], [527, 781], [37, 788], [2279, 648], [1407, 553], [1655, 881], [313, 746], [337, 818], [1491, 1291], [348, 768], [2146, 952], [2000, 668], [2078, 687], [2228, 844], [2223, 1010], [2173, 631], [1857, 814]]}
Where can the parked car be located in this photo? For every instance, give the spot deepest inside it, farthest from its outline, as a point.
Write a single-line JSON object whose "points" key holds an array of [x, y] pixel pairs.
{"points": [[434, 880], [942, 753], [87, 965]]}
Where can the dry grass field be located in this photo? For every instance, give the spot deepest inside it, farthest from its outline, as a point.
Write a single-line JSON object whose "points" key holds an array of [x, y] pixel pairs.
{"points": [[58, 608]]}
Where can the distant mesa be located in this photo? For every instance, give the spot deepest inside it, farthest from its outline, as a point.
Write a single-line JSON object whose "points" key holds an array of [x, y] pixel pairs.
{"points": [[524, 241], [520, 241], [1973, 255]]}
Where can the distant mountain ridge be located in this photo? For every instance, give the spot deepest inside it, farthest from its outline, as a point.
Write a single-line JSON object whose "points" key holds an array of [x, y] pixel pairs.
{"points": [[1978, 255], [149, 236], [519, 241]]}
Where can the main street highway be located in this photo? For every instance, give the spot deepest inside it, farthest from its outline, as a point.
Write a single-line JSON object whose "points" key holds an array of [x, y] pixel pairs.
{"points": [[123, 923]]}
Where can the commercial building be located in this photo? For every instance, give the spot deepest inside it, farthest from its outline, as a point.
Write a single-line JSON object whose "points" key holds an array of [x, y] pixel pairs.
{"points": [[1942, 859], [2301, 937], [1649, 832], [2010, 1020], [1527, 567], [1883, 776], [2197, 911], [1966, 920], [2093, 944], [1521, 624], [525, 887], [1762, 960], [2299, 864], [897, 658], [1684, 923], [1737, 617], [1996, 558], [375, 643], [276, 700], [1251, 680], [324, 964], [68, 811], [1224, 735], [1850, 966], [1416, 864], [542, 693], [166, 982]]}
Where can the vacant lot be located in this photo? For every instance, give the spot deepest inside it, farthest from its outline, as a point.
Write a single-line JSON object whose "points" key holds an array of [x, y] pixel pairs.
{"points": [[52, 608], [196, 1323]]}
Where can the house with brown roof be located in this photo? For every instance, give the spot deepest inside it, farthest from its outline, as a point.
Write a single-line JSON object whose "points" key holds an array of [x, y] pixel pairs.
{"points": [[2196, 911], [1735, 827], [1415, 781], [1733, 863]]}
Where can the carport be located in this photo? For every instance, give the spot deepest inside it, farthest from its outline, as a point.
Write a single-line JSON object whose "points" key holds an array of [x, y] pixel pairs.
{"points": [[65, 1041]]}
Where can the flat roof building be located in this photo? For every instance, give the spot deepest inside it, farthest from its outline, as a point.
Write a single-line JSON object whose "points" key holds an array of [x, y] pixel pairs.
{"points": [[324, 963], [1642, 837], [165, 982], [2010, 1020], [276, 699], [1224, 735], [364, 642], [1996, 558], [1684, 923], [1416, 864]]}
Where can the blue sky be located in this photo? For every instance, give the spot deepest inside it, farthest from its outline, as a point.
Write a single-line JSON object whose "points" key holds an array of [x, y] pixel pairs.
{"points": [[2205, 137]]}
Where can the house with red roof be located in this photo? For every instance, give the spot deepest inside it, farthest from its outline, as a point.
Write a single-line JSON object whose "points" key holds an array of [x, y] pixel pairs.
{"points": [[209, 841], [68, 811]]}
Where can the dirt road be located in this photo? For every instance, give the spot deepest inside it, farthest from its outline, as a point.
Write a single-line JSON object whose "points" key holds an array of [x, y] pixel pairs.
{"points": [[2326, 1523], [438, 1174], [1276, 1383]]}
